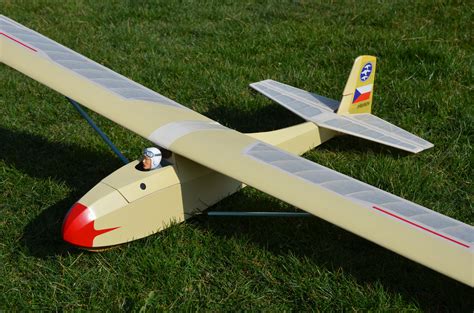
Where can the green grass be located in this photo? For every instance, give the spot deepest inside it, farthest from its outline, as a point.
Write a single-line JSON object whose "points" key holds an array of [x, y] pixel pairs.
{"points": [[204, 55]]}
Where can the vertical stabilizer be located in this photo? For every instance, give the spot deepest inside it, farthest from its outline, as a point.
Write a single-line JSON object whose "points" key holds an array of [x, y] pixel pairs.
{"points": [[357, 95]]}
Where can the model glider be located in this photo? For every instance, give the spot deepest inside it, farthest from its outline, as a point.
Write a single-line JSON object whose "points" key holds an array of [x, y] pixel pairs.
{"points": [[210, 161]]}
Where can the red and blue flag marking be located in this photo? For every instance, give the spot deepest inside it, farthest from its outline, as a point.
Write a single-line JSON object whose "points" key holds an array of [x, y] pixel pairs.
{"points": [[362, 93]]}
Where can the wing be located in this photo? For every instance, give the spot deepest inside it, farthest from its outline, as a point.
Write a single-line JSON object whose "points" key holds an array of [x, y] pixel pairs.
{"points": [[319, 110], [427, 237], [432, 239], [89, 83]]}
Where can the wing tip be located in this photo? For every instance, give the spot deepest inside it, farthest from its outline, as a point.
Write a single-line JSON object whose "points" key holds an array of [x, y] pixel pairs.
{"points": [[260, 82], [421, 148]]}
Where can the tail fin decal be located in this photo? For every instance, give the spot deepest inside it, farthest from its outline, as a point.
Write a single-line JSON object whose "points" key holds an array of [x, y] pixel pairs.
{"points": [[357, 95]]}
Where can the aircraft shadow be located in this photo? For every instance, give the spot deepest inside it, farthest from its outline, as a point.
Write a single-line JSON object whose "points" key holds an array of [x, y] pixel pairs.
{"points": [[269, 117], [79, 168], [334, 249]]}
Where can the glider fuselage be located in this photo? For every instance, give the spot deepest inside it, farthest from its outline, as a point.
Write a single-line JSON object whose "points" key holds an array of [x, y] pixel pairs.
{"points": [[130, 204]]}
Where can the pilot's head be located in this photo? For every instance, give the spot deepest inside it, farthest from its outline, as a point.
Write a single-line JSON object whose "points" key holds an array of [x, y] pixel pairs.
{"points": [[151, 158]]}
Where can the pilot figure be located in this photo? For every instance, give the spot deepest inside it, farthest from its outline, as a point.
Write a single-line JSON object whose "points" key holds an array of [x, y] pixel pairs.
{"points": [[151, 159]]}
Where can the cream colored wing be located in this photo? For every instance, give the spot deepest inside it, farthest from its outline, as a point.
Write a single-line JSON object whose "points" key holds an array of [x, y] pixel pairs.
{"points": [[89, 83], [432, 239]]}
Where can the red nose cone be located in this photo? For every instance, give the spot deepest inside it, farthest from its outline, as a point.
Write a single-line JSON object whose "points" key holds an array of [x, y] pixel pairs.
{"points": [[78, 226]]}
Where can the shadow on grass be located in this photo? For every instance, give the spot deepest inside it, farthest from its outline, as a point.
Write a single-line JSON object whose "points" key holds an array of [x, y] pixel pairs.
{"points": [[333, 249], [325, 245], [348, 143], [274, 116], [266, 118], [79, 168]]}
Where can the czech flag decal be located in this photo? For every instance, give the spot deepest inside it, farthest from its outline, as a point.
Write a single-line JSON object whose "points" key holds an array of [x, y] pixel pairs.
{"points": [[362, 93]]}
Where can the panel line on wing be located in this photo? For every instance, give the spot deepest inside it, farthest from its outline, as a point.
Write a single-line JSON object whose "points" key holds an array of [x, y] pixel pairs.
{"points": [[421, 227], [18, 41]]}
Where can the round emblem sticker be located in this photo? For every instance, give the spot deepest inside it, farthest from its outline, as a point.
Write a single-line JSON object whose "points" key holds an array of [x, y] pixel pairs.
{"points": [[366, 71]]}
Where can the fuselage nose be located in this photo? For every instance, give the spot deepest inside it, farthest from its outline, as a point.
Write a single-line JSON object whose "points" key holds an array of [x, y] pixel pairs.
{"points": [[78, 227]]}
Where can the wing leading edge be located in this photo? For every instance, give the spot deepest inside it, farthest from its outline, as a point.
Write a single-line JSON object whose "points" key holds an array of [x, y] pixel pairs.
{"points": [[422, 235]]}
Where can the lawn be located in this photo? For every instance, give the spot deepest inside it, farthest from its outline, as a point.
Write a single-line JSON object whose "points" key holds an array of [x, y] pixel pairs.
{"points": [[203, 54]]}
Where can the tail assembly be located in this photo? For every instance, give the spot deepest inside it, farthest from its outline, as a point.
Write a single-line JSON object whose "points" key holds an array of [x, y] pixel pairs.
{"points": [[357, 95], [350, 116]]}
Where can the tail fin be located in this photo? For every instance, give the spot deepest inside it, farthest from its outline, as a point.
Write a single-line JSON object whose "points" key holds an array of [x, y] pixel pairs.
{"points": [[357, 95], [353, 115]]}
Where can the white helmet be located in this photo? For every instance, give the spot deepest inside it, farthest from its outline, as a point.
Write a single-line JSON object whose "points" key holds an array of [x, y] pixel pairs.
{"points": [[155, 155]]}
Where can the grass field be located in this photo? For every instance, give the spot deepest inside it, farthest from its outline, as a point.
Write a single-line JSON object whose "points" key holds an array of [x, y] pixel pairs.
{"points": [[204, 55]]}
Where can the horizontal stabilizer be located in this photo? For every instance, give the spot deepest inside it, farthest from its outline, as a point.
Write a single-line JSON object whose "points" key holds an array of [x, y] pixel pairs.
{"points": [[319, 110]]}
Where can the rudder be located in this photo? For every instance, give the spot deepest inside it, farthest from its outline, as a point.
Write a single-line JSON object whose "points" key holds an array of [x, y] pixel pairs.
{"points": [[357, 95]]}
